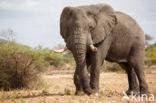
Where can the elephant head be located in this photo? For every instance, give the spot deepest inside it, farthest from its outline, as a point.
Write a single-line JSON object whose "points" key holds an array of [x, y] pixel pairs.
{"points": [[82, 27]]}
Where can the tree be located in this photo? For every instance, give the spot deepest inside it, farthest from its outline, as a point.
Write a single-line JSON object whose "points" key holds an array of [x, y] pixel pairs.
{"points": [[8, 35]]}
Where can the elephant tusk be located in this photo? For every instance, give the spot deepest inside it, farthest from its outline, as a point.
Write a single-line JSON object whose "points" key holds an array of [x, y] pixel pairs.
{"points": [[60, 51], [93, 48]]}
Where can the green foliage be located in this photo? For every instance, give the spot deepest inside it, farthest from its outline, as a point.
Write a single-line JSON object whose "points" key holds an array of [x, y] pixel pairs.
{"points": [[57, 59], [64, 58], [111, 67], [150, 55], [52, 58], [20, 66], [104, 66]]}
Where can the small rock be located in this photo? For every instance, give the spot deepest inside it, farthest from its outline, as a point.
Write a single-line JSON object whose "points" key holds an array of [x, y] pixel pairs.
{"points": [[67, 91]]}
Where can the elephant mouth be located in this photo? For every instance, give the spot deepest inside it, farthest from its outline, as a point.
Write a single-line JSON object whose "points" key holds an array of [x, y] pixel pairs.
{"points": [[92, 47]]}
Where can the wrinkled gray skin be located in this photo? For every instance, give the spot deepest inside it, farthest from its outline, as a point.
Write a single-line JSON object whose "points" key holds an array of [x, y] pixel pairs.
{"points": [[117, 37]]}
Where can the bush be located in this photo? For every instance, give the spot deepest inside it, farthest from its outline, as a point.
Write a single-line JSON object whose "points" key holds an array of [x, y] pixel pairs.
{"points": [[59, 59], [150, 55], [111, 67], [53, 58], [20, 66]]}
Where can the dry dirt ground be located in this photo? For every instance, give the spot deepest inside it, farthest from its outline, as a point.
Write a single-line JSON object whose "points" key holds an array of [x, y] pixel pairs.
{"points": [[60, 89]]}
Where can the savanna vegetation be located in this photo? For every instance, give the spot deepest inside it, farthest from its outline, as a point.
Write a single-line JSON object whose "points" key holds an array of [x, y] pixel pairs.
{"points": [[150, 55], [22, 66]]}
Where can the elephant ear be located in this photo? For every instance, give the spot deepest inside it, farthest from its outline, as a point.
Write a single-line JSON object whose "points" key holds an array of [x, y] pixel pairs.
{"points": [[64, 22], [105, 22]]}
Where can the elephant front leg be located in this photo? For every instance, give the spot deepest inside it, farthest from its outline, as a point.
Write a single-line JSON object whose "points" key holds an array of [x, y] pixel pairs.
{"points": [[77, 83], [81, 80], [94, 78], [83, 73], [96, 62], [95, 73]]}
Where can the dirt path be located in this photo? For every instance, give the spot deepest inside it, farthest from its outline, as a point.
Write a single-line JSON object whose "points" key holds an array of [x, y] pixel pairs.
{"points": [[59, 76], [71, 75]]}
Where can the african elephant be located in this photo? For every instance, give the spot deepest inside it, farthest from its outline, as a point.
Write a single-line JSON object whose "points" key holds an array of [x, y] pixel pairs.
{"points": [[96, 33]]}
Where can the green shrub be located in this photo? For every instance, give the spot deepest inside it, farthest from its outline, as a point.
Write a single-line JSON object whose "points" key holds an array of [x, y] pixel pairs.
{"points": [[111, 67], [20, 66], [104, 66], [150, 55], [57, 59]]}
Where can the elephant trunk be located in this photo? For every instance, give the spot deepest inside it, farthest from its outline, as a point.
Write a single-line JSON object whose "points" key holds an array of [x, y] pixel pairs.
{"points": [[80, 54], [79, 49]]}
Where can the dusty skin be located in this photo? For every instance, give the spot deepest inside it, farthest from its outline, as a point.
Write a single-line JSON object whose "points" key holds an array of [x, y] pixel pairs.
{"points": [[60, 89]]}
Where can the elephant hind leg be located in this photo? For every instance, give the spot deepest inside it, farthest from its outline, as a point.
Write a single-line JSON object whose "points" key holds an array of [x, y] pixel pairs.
{"points": [[133, 85], [137, 62]]}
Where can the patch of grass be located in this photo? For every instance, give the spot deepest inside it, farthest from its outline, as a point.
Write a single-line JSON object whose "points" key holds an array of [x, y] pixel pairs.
{"points": [[9, 94], [44, 92], [22, 100], [72, 95], [45, 85]]}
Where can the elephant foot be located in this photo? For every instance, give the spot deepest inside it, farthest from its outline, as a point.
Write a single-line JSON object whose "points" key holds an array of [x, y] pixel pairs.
{"points": [[89, 91], [144, 92], [79, 93], [132, 92], [137, 92]]}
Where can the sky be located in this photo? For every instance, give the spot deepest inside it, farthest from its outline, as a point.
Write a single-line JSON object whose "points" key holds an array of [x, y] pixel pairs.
{"points": [[36, 22]]}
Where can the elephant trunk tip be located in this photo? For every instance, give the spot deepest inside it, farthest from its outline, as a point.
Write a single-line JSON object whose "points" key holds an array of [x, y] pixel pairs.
{"points": [[93, 48]]}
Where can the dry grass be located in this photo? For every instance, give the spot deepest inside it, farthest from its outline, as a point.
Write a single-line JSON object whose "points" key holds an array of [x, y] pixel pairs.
{"points": [[111, 87]]}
